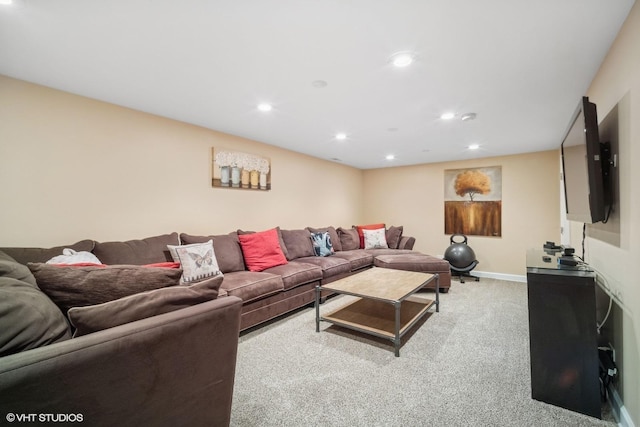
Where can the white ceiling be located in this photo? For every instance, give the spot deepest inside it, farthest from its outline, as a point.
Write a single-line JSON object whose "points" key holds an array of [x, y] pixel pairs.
{"points": [[520, 65]]}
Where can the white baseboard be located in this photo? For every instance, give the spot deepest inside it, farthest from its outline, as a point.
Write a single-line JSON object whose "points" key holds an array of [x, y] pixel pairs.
{"points": [[500, 276], [620, 413]]}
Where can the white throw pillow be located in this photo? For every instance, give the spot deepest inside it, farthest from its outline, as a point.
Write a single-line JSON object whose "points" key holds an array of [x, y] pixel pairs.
{"points": [[69, 256], [375, 239]]}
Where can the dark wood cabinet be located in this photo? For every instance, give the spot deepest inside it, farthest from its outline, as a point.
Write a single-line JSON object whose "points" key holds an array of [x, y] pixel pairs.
{"points": [[562, 334]]}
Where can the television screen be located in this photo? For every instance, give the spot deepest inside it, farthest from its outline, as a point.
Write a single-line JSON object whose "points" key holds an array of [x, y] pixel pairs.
{"points": [[582, 168]]}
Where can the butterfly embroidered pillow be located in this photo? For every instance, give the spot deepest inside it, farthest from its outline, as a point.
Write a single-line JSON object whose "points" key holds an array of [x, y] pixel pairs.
{"points": [[198, 261]]}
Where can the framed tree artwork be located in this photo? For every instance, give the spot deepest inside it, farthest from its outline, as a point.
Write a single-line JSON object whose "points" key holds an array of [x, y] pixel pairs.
{"points": [[473, 201]]}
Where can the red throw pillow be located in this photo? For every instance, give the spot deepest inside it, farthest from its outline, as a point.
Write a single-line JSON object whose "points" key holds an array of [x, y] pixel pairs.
{"points": [[366, 227], [262, 250]]}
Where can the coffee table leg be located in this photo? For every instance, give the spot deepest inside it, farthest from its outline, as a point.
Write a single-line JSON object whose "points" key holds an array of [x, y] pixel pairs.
{"points": [[437, 293], [396, 341], [317, 308]]}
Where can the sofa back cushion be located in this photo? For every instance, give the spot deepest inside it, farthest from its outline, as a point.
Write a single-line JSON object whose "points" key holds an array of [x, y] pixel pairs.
{"points": [[28, 319], [9, 267], [226, 247], [394, 234], [349, 239], [72, 286], [139, 306], [136, 252], [298, 243], [25, 255]]}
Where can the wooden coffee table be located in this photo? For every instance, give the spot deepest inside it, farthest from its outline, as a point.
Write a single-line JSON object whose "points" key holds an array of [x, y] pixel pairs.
{"points": [[385, 307]]}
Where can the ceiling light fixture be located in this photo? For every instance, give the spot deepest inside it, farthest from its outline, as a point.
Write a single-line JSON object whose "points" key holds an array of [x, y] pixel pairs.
{"points": [[265, 107], [6, 2], [474, 147], [468, 116], [402, 59], [341, 136], [390, 157], [447, 116]]}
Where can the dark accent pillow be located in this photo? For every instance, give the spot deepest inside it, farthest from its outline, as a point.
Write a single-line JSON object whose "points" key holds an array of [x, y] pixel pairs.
{"points": [[136, 252], [9, 267], [71, 286], [28, 319], [393, 235], [131, 308], [333, 233], [227, 249], [298, 243], [25, 255], [348, 238], [262, 250], [322, 244]]}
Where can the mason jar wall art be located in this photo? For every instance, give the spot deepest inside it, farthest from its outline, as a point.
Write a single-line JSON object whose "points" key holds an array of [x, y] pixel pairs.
{"points": [[237, 170]]}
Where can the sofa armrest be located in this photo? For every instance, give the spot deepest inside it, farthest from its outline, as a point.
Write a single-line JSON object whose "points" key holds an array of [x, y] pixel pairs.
{"points": [[406, 242], [177, 368]]}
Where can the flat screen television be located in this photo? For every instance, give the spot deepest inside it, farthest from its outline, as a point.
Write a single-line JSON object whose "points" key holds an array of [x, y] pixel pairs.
{"points": [[582, 166]]}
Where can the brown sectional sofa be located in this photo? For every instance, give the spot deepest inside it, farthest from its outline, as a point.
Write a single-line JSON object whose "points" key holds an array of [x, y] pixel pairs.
{"points": [[60, 375]]}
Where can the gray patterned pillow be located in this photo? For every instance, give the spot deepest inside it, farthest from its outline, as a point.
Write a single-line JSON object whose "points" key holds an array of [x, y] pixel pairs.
{"points": [[322, 244]]}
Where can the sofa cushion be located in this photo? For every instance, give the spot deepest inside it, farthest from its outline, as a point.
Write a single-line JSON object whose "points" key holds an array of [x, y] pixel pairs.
{"points": [[359, 229], [142, 305], [386, 251], [70, 286], [226, 247], [136, 252], [375, 239], [261, 250], [298, 243], [393, 236], [12, 268], [349, 239], [251, 285], [198, 261], [322, 245], [25, 255], [331, 266], [296, 273], [358, 258], [28, 319], [333, 233], [413, 262]]}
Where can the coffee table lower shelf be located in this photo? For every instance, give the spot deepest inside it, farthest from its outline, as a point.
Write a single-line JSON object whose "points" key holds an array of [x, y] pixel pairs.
{"points": [[380, 318]]}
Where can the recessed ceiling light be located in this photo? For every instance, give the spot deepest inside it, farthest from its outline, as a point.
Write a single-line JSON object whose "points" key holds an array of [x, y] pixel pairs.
{"points": [[265, 107], [6, 2], [390, 157], [341, 136], [319, 84], [402, 59], [474, 147], [447, 116], [468, 116]]}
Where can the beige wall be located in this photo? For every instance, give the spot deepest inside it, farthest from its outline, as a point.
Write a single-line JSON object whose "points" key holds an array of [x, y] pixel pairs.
{"points": [[618, 82], [413, 196], [74, 168]]}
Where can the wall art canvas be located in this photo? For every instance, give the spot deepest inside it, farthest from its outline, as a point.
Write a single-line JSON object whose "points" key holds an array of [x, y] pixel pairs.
{"points": [[473, 201], [238, 170]]}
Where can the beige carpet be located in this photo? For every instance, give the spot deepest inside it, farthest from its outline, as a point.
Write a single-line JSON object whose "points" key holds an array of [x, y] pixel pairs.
{"points": [[465, 366]]}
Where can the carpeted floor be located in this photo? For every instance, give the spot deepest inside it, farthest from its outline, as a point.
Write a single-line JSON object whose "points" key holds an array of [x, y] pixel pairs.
{"points": [[465, 366]]}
